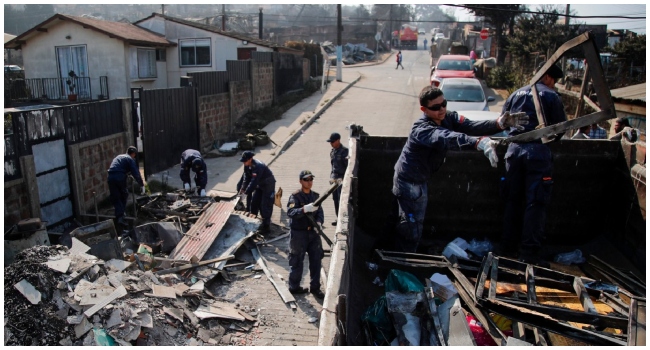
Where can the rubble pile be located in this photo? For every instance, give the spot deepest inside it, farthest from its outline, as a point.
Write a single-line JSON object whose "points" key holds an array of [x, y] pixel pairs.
{"points": [[351, 53]]}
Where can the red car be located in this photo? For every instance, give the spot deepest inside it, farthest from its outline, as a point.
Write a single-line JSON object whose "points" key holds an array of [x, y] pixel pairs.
{"points": [[451, 66]]}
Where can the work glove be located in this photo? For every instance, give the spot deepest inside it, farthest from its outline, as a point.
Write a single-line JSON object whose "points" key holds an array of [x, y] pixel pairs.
{"points": [[332, 181], [203, 192], [186, 186], [516, 120], [489, 148], [339, 181], [142, 191], [309, 208], [630, 133]]}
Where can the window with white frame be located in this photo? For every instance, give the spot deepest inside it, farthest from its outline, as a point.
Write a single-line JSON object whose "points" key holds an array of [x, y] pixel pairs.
{"points": [[147, 63], [194, 52]]}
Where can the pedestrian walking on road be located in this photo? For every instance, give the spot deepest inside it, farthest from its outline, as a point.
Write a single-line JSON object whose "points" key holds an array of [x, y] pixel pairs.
{"points": [[259, 182], [339, 160], [529, 169], [303, 236], [425, 43], [191, 159], [399, 59], [122, 166], [431, 136]]}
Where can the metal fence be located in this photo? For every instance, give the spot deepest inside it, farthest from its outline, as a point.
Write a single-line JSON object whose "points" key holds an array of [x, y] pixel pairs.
{"points": [[90, 121], [238, 70], [12, 166], [53, 88], [210, 83], [262, 56]]}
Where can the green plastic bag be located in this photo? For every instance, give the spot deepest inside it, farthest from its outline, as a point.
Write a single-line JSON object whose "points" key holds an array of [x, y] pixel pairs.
{"points": [[378, 323], [403, 282], [102, 338]]}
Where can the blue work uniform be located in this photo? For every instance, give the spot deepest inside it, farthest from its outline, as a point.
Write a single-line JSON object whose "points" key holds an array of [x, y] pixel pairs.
{"points": [[529, 168], [121, 166], [240, 183], [339, 158], [260, 183], [422, 155], [304, 239], [200, 175]]}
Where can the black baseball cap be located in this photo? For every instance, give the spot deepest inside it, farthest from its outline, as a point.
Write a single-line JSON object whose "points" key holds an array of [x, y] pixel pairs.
{"points": [[306, 173], [335, 136], [246, 156], [131, 149]]}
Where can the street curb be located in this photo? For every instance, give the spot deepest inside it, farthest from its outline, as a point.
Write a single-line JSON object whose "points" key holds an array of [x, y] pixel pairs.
{"points": [[289, 141]]}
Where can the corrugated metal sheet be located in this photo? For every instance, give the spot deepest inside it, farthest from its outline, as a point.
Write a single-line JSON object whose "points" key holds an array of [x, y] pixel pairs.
{"points": [[632, 92], [199, 238]]}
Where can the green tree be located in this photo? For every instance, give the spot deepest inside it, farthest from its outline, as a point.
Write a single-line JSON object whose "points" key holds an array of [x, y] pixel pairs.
{"points": [[502, 19], [631, 51]]}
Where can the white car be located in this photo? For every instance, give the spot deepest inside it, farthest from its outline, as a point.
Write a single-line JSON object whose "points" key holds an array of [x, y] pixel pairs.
{"points": [[421, 31], [465, 94], [480, 116], [438, 35]]}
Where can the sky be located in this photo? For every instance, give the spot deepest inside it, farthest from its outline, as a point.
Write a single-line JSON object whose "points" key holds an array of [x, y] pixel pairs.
{"points": [[633, 9]]}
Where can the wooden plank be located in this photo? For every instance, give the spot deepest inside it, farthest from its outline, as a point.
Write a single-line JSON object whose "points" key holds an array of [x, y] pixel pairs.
{"points": [[162, 292], [480, 285], [493, 279], [531, 295], [585, 300], [433, 309], [118, 293], [481, 315], [637, 323], [286, 296], [189, 266], [218, 310]]}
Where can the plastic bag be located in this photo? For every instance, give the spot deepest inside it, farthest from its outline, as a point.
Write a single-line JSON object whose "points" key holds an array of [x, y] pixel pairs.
{"points": [[605, 287], [378, 323], [481, 336], [574, 257], [402, 282], [453, 249], [480, 248]]}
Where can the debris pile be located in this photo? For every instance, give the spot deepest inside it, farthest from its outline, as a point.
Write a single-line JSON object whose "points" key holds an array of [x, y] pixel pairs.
{"points": [[351, 53]]}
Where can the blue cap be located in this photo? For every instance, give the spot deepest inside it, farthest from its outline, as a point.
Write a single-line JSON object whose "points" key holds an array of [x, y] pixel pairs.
{"points": [[246, 156], [335, 136], [197, 164], [306, 173]]}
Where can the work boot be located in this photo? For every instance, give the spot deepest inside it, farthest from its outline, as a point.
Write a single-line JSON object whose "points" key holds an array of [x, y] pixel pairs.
{"points": [[318, 294], [264, 229], [122, 222], [299, 290], [333, 223]]}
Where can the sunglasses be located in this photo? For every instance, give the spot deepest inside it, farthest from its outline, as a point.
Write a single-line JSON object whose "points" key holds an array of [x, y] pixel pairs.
{"points": [[308, 180], [437, 107]]}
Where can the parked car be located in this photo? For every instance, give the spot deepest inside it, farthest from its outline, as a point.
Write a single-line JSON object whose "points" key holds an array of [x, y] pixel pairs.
{"points": [[480, 116], [451, 66], [12, 68], [421, 31], [465, 94], [438, 35]]}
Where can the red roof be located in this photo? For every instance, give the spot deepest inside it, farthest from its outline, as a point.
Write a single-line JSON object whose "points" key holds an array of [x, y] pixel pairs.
{"points": [[127, 32]]}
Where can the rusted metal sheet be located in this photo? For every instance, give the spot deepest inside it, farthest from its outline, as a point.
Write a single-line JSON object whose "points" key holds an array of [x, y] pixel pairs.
{"points": [[199, 238]]}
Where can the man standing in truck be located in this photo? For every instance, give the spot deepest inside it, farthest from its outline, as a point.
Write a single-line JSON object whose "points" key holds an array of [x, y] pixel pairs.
{"points": [[431, 136], [529, 168]]}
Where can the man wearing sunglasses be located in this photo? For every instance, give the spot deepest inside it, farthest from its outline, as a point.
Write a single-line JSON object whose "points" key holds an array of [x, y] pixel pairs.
{"points": [[303, 236], [529, 168], [431, 136]]}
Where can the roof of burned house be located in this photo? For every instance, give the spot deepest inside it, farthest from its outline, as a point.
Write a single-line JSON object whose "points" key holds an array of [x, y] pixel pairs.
{"points": [[630, 93], [127, 32], [213, 29]]}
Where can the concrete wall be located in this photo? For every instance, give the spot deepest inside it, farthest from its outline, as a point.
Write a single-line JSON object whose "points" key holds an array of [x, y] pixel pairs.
{"points": [[241, 101], [214, 119], [305, 70], [89, 162], [262, 84], [223, 48]]}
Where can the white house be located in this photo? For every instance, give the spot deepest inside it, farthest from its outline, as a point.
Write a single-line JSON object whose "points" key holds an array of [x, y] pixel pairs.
{"points": [[123, 55], [201, 47]]}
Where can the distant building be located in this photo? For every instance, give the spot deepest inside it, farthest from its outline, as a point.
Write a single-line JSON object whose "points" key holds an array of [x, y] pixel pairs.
{"points": [[615, 36]]}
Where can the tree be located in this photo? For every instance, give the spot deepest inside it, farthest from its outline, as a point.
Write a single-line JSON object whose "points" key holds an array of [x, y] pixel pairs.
{"points": [[631, 51], [502, 19], [431, 13]]}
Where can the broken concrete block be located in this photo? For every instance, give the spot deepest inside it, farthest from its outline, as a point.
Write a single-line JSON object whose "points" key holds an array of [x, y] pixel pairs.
{"points": [[29, 291], [115, 319], [173, 312], [146, 320], [82, 328], [118, 264], [162, 292], [95, 295], [59, 265], [75, 319]]}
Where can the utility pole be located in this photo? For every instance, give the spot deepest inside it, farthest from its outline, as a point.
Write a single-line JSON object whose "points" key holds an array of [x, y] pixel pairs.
{"points": [[390, 13], [163, 9], [566, 25], [223, 17], [339, 50], [261, 26]]}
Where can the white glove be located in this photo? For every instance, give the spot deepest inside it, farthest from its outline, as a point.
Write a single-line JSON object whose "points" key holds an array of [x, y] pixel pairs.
{"points": [[309, 208], [186, 186], [142, 192], [203, 193], [331, 181], [339, 181], [630, 133], [489, 148], [516, 120]]}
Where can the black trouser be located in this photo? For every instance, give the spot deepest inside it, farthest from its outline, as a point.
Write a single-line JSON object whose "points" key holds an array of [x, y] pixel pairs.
{"points": [[118, 195], [302, 242]]}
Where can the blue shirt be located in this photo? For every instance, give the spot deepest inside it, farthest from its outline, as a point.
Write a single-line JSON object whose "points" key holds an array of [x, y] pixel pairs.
{"points": [[297, 218], [339, 159], [428, 143], [598, 133], [121, 166], [522, 101], [187, 158], [257, 174]]}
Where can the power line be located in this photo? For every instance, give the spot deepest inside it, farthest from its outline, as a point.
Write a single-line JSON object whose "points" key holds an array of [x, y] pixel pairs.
{"points": [[538, 12]]}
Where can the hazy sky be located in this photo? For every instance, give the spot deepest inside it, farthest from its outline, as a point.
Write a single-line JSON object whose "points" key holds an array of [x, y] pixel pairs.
{"points": [[584, 9]]}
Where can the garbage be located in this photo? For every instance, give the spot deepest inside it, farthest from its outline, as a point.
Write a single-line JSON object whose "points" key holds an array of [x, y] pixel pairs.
{"points": [[378, 326], [605, 287], [406, 308], [481, 336], [403, 282], [574, 257], [442, 286], [228, 148], [454, 250], [480, 248]]}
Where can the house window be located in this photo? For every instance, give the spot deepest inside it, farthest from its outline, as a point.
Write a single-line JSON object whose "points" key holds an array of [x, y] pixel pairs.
{"points": [[195, 52], [161, 55], [146, 63]]}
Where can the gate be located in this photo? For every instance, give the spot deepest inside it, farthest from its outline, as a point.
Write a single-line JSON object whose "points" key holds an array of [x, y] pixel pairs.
{"points": [[170, 125], [53, 180]]}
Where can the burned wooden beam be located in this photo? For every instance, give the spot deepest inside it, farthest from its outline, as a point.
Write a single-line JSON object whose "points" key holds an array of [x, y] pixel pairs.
{"points": [[637, 324], [631, 284], [482, 276]]}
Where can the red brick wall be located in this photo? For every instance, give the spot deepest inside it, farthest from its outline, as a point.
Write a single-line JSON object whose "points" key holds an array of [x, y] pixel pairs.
{"points": [[214, 119], [262, 80], [16, 202], [95, 157], [241, 101]]}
